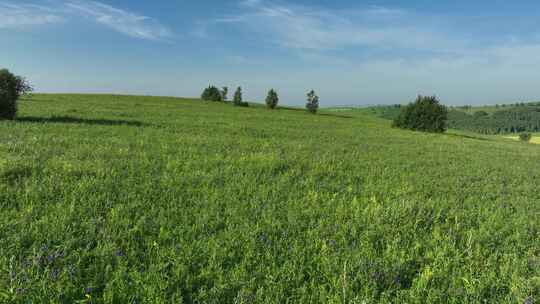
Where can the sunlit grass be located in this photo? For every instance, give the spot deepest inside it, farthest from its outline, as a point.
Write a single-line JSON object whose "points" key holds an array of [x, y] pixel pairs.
{"points": [[534, 140], [119, 199]]}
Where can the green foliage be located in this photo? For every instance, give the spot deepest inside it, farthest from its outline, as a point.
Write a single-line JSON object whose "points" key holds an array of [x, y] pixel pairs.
{"points": [[126, 199], [238, 101], [11, 89], [312, 104], [503, 120], [272, 99], [485, 120], [425, 114], [212, 93], [526, 137]]}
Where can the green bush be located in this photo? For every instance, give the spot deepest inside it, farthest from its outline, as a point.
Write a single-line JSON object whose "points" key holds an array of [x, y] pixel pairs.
{"points": [[525, 137], [312, 104], [425, 114], [212, 93], [272, 99], [11, 89]]}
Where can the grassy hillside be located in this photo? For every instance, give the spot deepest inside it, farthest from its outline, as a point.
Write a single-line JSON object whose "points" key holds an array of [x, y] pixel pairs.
{"points": [[109, 199]]}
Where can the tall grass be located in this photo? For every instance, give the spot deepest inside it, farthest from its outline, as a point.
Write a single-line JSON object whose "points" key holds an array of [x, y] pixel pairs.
{"points": [[118, 199]]}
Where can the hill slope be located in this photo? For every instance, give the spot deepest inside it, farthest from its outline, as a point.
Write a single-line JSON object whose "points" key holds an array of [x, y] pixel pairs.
{"points": [[118, 199]]}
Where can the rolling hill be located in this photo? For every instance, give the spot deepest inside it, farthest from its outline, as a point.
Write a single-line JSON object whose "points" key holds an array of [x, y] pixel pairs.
{"points": [[131, 199]]}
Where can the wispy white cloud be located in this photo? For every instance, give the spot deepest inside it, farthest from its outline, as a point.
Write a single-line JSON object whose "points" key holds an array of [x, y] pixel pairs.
{"points": [[386, 34], [17, 15], [125, 22], [316, 29], [453, 56]]}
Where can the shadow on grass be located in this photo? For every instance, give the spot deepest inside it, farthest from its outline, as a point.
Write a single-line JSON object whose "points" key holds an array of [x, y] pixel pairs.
{"points": [[16, 175], [318, 113], [466, 136], [335, 115], [86, 121]]}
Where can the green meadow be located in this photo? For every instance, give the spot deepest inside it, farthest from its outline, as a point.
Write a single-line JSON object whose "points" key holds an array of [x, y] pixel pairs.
{"points": [[126, 199], [535, 138]]}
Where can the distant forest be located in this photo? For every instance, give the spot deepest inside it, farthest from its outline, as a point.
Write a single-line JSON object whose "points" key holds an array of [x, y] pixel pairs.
{"points": [[499, 119]]}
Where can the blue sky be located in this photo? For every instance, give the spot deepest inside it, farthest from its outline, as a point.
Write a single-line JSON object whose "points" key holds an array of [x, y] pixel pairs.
{"points": [[350, 52]]}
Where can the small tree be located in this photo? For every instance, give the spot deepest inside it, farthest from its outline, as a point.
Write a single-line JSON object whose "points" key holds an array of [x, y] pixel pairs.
{"points": [[212, 94], [11, 89], [425, 114], [272, 99], [237, 100], [224, 92], [525, 137], [312, 104]]}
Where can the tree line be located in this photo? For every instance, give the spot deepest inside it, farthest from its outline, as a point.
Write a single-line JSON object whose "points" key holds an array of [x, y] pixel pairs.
{"points": [[213, 93], [509, 120], [506, 119], [426, 113]]}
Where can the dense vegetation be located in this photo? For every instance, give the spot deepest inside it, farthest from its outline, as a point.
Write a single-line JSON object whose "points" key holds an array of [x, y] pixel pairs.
{"points": [[425, 114], [500, 119], [11, 89], [117, 199]]}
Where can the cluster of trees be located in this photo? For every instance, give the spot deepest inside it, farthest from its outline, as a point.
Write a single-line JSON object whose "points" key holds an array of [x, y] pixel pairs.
{"points": [[212, 93], [11, 89], [517, 119], [426, 114]]}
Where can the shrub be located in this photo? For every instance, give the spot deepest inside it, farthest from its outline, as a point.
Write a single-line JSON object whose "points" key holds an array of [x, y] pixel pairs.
{"points": [[11, 89], [312, 104], [272, 99], [425, 114], [525, 137], [212, 94]]}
